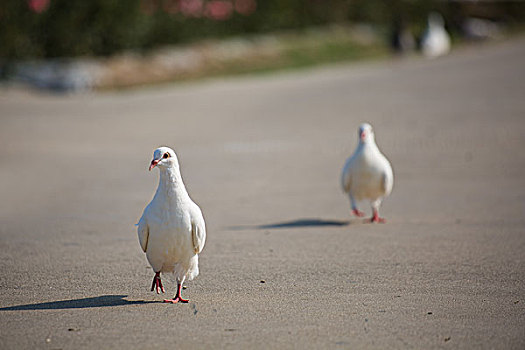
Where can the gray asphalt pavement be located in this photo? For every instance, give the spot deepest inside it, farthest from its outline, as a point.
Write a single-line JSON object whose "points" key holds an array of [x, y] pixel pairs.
{"points": [[285, 265]]}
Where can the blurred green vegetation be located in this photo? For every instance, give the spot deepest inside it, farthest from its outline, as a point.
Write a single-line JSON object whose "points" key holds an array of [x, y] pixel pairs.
{"points": [[69, 28], [298, 48]]}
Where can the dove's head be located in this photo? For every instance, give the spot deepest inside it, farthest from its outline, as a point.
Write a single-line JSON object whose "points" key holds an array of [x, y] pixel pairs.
{"points": [[164, 157], [435, 20], [366, 133]]}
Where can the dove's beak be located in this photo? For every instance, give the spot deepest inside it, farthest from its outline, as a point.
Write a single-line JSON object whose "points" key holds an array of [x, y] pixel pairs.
{"points": [[363, 135], [154, 163]]}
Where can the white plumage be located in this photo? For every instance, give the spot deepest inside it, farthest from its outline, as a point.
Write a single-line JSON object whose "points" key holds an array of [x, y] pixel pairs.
{"points": [[435, 41], [171, 230], [367, 174]]}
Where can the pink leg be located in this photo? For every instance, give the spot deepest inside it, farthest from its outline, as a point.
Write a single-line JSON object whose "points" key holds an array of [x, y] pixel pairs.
{"points": [[157, 283], [177, 298], [375, 217], [357, 212]]}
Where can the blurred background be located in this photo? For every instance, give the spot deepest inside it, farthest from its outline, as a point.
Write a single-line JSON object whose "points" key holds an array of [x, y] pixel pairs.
{"points": [[78, 45]]}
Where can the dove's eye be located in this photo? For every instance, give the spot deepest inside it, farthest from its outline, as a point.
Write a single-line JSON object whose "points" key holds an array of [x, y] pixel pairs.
{"points": [[166, 155]]}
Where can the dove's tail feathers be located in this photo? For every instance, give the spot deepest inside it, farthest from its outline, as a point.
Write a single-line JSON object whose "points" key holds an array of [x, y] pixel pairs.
{"points": [[185, 271], [193, 270]]}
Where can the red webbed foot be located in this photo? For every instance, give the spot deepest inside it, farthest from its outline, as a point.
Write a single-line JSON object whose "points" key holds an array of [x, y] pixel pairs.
{"points": [[358, 213], [375, 218], [176, 300], [157, 283], [378, 220]]}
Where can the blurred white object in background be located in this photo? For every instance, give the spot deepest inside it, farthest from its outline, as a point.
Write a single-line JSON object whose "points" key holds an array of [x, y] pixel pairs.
{"points": [[481, 29], [435, 41], [59, 75]]}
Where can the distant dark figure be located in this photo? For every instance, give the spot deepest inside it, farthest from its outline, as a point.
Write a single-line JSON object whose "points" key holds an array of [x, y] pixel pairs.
{"points": [[401, 39]]}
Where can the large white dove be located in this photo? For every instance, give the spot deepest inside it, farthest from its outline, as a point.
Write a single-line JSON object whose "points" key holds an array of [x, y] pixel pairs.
{"points": [[171, 230], [367, 174]]}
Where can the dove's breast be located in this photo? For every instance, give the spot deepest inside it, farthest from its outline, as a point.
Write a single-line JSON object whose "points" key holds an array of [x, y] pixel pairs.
{"points": [[367, 184], [170, 241], [368, 177]]}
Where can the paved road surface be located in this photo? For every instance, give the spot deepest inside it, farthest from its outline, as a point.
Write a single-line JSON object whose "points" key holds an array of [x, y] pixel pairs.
{"points": [[262, 157]]}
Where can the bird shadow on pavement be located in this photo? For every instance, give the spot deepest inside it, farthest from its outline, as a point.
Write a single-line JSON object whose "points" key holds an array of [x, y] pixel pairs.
{"points": [[101, 301], [293, 224]]}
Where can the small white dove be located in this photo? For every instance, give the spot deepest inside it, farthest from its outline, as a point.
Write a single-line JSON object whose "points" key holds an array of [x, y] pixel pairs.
{"points": [[367, 174], [435, 41], [171, 230]]}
